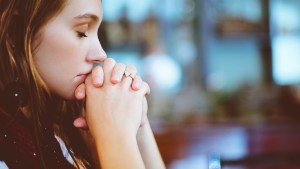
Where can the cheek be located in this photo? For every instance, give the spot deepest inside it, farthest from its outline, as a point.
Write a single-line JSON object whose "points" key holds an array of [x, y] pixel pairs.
{"points": [[58, 59], [61, 48], [61, 45]]}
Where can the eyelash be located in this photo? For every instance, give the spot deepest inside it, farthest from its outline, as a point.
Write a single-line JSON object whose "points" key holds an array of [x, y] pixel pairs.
{"points": [[81, 35]]}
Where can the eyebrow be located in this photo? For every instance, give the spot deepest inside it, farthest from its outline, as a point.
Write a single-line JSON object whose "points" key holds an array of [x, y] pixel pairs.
{"points": [[87, 16]]}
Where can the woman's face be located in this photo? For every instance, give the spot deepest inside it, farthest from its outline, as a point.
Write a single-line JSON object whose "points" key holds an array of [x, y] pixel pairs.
{"points": [[67, 46]]}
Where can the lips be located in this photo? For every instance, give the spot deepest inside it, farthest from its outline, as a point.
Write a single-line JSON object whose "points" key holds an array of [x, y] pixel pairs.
{"points": [[83, 75]]}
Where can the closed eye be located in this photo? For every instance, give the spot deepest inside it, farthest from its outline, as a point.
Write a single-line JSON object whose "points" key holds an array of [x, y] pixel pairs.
{"points": [[81, 35]]}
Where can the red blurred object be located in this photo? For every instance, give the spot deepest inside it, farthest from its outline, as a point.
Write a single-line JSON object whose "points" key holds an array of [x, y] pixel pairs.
{"points": [[267, 146]]}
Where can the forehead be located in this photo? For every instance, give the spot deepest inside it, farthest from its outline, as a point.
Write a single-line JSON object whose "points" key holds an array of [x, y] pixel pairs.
{"points": [[75, 8], [72, 10]]}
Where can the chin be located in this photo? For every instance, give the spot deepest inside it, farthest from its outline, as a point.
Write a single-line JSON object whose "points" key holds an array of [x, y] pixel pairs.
{"points": [[66, 96]]}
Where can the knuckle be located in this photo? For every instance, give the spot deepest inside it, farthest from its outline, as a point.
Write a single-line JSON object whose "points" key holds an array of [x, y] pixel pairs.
{"points": [[109, 64], [131, 67], [96, 70], [137, 79], [119, 67], [110, 60], [121, 64], [89, 89], [146, 87]]}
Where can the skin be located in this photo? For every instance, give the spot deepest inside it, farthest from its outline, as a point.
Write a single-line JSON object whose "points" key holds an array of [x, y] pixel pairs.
{"points": [[68, 46], [115, 105]]}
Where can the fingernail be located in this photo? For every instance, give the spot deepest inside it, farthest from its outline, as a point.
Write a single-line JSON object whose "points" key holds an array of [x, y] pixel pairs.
{"points": [[80, 94], [97, 80], [116, 78], [137, 85]]}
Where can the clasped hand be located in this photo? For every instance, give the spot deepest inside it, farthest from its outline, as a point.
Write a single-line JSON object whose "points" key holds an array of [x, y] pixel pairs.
{"points": [[114, 104]]}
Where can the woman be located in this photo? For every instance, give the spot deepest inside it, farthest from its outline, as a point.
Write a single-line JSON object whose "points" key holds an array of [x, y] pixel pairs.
{"points": [[49, 77]]}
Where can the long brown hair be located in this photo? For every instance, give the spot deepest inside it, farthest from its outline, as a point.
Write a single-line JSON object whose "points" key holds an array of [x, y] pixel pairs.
{"points": [[20, 21]]}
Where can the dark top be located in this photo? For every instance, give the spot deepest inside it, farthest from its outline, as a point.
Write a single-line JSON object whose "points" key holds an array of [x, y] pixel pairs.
{"points": [[18, 148]]}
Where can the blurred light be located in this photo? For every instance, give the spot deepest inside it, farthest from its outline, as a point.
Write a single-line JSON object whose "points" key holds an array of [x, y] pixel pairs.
{"points": [[134, 10], [286, 69], [285, 15], [172, 10], [139, 10], [186, 51], [194, 162], [215, 82], [225, 58], [112, 9], [249, 10], [214, 161], [230, 143], [163, 71]]}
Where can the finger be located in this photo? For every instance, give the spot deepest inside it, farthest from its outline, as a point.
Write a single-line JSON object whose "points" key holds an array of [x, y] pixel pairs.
{"points": [[130, 71], [145, 89], [97, 76], [89, 87], [81, 123], [137, 83], [129, 75], [108, 66], [117, 73], [80, 92], [144, 112]]}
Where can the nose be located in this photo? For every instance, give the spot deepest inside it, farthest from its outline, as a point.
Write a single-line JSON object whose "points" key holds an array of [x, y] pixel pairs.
{"points": [[96, 53]]}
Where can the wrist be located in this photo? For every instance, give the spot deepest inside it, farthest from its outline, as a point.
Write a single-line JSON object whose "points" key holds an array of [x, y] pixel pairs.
{"points": [[143, 131], [121, 148], [111, 135]]}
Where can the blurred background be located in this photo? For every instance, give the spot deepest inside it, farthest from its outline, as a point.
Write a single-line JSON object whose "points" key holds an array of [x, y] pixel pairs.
{"points": [[224, 77]]}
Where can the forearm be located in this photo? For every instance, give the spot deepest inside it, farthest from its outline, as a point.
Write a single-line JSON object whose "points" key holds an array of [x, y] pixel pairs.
{"points": [[148, 148], [118, 153]]}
